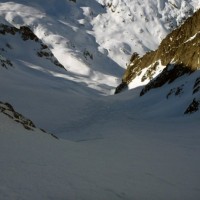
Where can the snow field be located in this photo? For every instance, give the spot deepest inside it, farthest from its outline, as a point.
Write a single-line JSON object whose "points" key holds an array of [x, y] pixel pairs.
{"points": [[110, 147]]}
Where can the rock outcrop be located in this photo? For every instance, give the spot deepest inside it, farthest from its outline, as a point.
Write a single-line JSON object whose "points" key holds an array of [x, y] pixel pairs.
{"points": [[26, 34], [9, 111], [178, 54]]}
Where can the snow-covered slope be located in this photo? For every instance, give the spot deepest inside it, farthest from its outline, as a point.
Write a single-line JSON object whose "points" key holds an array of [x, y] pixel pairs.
{"points": [[131, 26], [136, 160], [71, 43], [35, 83], [94, 41], [122, 146], [174, 66]]}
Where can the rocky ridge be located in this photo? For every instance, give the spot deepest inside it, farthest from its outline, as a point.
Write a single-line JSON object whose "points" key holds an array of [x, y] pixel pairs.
{"points": [[178, 54], [9, 111], [25, 34]]}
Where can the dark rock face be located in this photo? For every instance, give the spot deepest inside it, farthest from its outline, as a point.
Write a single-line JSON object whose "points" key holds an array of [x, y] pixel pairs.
{"points": [[46, 53], [196, 87], [26, 34], [7, 29], [5, 63], [193, 107], [179, 55], [121, 87], [177, 91], [168, 75], [181, 47], [8, 110]]}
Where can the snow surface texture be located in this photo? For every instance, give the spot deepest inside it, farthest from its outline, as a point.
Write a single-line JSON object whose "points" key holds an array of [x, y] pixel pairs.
{"points": [[122, 147], [136, 160]]}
